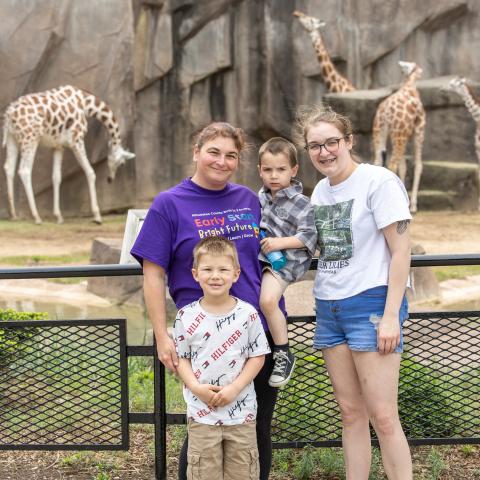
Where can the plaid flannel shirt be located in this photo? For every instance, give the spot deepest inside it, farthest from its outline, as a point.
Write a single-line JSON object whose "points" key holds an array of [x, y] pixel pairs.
{"points": [[290, 214]]}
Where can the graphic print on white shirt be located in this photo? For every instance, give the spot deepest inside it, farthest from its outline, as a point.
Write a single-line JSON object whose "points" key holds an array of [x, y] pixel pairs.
{"points": [[218, 347], [334, 227]]}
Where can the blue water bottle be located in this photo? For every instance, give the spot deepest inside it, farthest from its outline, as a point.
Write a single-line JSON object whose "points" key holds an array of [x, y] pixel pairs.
{"points": [[277, 259]]}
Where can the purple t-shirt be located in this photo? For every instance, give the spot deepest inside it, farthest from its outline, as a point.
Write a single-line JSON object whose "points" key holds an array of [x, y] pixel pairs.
{"points": [[179, 217]]}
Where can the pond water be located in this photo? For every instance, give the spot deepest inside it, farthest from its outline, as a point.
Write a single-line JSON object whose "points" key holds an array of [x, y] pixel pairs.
{"points": [[138, 326]]}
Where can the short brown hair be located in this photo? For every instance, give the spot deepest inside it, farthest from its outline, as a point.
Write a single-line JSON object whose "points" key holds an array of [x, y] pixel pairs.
{"points": [[215, 246], [278, 145], [221, 129]]}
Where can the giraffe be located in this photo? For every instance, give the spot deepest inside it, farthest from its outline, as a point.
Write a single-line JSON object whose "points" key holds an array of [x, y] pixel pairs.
{"points": [[472, 102], [333, 79], [399, 116], [56, 118]]}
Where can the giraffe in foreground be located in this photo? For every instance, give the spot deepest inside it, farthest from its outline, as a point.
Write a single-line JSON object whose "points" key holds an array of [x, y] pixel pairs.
{"points": [[472, 102], [333, 79], [57, 118], [400, 116]]}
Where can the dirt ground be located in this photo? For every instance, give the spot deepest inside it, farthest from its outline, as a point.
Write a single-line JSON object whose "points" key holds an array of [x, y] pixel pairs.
{"points": [[436, 232]]}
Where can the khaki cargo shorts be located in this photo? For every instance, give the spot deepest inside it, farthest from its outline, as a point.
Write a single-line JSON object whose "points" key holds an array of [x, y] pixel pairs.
{"points": [[231, 449]]}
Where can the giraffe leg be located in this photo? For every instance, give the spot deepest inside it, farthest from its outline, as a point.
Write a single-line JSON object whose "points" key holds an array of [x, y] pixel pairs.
{"points": [[379, 141], [10, 165], [56, 181], [25, 173], [418, 138], [397, 162], [477, 150], [81, 156]]}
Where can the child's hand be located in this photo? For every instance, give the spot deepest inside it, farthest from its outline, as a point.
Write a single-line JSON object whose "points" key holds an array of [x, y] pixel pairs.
{"points": [[271, 244], [206, 393], [225, 396]]}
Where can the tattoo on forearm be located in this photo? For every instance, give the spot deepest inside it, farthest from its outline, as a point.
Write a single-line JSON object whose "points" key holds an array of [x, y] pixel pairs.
{"points": [[402, 226]]}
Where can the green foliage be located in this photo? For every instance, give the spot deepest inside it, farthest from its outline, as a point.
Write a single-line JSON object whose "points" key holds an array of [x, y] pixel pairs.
{"points": [[282, 460], [468, 450], [457, 271], [376, 462], [304, 468], [297, 398], [37, 260], [102, 476], [140, 387], [12, 339], [140, 384], [436, 464], [432, 403], [11, 315], [331, 461]]}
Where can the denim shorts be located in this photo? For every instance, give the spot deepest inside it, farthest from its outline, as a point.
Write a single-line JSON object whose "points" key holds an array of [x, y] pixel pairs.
{"points": [[354, 320]]}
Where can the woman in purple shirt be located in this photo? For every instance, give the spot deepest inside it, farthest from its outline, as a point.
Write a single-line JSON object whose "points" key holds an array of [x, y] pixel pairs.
{"points": [[206, 204]]}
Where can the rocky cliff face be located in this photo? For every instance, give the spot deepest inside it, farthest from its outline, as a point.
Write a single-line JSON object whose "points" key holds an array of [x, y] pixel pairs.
{"points": [[169, 67]]}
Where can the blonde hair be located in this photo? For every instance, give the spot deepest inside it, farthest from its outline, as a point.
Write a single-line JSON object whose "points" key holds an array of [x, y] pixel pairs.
{"points": [[217, 246], [278, 145], [221, 129], [307, 116]]}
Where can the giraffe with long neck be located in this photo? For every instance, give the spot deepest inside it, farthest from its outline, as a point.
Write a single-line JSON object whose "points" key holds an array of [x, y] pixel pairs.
{"points": [[472, 102], [332, 78], [400, 116], [57, 118]]}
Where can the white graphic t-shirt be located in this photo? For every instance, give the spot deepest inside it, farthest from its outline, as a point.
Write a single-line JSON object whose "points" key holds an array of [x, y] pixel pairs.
{"points": [[349, 217], [218, 347]]}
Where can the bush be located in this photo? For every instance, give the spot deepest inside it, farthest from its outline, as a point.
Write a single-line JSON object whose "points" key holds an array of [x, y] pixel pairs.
{"points": [[12, 339], [433, 404]]}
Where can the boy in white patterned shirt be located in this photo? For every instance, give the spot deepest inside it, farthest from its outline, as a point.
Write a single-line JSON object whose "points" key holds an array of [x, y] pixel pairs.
{"points": [[221, 346]]}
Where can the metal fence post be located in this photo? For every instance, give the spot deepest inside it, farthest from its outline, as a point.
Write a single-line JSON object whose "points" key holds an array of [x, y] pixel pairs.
{"points": [[160, 417]]}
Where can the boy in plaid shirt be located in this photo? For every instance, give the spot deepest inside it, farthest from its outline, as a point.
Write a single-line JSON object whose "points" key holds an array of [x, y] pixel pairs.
{"points": [[288, 221]]}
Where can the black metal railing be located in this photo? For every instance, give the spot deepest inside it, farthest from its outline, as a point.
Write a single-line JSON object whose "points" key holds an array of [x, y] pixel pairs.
{"points": [[439, 387]]}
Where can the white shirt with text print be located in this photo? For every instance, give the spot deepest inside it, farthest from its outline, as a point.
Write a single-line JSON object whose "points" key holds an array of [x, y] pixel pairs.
{"points": [[218, 347]]}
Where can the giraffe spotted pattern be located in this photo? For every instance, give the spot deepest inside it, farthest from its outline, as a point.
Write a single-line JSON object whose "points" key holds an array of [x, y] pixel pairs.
{"points": [[57, 118]]}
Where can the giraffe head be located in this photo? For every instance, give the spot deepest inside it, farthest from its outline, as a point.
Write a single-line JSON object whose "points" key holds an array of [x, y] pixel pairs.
{"points": [[311, 24], [457, 84], [116, 157], [409, 68]]}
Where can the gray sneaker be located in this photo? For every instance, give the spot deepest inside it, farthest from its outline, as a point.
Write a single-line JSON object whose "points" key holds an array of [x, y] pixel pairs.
{"points": [[282, 368]]}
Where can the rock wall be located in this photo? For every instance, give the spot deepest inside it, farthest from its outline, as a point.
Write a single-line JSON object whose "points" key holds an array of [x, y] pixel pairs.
{"points": [[251, 62], [168, 67]]}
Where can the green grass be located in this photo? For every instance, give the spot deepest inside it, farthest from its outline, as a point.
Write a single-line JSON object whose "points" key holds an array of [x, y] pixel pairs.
{"points": [[456, 271], [436, 463], [67, 281], [39, 260], [49, 225]]}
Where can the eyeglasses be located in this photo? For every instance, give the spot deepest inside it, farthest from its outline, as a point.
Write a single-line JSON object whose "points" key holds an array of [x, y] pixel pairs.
{"points": [[331, 146]]}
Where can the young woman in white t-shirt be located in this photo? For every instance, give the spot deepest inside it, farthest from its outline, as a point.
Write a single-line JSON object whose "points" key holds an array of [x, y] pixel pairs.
{"points": [[362, 218]]}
